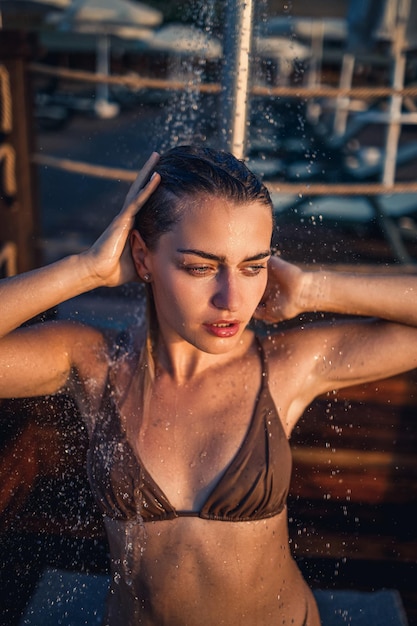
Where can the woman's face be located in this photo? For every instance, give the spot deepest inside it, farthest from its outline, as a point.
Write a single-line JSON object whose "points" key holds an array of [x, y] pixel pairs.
{"points": [[210, 272]]}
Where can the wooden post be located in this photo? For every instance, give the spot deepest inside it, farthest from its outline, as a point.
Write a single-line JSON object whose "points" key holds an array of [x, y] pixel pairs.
{"points": [[19, 219]]}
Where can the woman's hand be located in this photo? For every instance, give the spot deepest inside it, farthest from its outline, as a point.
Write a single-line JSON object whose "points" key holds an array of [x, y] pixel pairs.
{"points": [[109, 258], [282, 297]]}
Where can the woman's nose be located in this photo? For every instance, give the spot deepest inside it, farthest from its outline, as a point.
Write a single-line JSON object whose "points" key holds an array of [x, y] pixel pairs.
{"points": [[227, 296]]}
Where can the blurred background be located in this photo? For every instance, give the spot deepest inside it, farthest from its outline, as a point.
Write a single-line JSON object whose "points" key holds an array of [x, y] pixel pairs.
{"points": [[321, 100]]}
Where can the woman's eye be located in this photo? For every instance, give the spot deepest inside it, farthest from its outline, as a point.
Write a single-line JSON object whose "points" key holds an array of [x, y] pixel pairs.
{"points": [[198, 270], [253, 270], [204, 270]]}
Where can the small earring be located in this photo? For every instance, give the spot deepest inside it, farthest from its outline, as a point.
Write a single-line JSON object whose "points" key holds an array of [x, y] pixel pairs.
{"points": [[147, 277]]}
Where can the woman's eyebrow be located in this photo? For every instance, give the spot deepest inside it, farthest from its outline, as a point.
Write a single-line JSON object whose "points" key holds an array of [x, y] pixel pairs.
{"points": [[222, 259]]}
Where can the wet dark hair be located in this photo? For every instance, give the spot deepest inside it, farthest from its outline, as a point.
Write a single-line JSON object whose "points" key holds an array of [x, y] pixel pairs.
{"points": [[191, 171]]}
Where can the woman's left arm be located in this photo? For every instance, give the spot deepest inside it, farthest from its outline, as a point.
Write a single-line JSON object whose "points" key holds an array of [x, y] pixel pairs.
{"points": [[353, 351], [292, 291], [388, 297]]}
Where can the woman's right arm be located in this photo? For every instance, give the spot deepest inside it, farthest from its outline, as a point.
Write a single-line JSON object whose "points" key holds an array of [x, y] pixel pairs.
{"points": [[25, 296], [37, 359]]}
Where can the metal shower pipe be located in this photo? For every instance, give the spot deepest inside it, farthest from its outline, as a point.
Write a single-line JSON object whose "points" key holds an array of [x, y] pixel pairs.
{"points": [[237, 47]]}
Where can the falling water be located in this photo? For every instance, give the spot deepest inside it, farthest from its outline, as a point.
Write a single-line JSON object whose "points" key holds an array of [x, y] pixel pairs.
{"points": [[189, 117], [184, 120]]}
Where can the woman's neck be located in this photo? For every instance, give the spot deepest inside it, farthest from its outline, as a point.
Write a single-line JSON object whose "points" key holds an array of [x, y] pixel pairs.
{"points": [[182, 361]]}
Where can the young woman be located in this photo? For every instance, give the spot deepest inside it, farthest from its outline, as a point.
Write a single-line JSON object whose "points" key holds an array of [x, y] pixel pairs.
{"points": [[189, 422]]}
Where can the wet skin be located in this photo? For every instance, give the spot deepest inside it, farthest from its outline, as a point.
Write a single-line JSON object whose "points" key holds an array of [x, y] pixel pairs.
{"points": [[188, 570], [209, 274]]}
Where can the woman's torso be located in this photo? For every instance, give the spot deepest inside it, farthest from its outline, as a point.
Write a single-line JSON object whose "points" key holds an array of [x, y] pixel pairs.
{"points": [[196, 572], [189, 570]]}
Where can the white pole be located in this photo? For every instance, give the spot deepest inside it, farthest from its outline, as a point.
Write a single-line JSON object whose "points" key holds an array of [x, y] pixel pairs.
{"points": [[236, 74], [103, 107]]}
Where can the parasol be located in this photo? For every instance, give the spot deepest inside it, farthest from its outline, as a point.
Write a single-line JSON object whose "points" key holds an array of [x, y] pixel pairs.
{"points": [[105, 18]]}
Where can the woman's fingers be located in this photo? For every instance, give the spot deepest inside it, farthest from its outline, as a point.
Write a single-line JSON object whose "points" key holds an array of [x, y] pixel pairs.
{"points": [[141, 179], [143, 195], [281, 299]]}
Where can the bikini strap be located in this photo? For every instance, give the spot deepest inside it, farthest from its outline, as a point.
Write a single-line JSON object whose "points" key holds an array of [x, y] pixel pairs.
{"points": [[264, 362], [119, 347]]}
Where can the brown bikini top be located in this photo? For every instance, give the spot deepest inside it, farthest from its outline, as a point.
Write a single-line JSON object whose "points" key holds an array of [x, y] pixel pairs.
{"points": [[253, 486]]}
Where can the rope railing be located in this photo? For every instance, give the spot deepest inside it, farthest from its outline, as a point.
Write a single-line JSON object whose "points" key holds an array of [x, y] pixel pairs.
{"points": [[6, 117], [7, 151], [8, 159], [142, 82], [131, 82], [87, 169], [341, 189], [8, 258], [303, 189], [300, 189]]}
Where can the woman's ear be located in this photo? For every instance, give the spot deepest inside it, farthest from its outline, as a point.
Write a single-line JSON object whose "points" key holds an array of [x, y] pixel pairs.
{"points": [[140, 256]]}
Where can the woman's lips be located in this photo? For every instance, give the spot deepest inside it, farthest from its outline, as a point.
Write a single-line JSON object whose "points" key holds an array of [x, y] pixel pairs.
{"points": [[223, 328]]}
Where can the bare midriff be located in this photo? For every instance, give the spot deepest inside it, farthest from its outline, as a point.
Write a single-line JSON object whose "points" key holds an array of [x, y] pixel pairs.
{"points": [[194, 572]]}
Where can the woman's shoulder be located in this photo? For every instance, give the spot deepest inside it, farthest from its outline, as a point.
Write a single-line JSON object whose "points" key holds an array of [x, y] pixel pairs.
{"points": [[292, 344], [89, 347], [101, 357], [108, 343], [275, 339], [296, 335]]}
